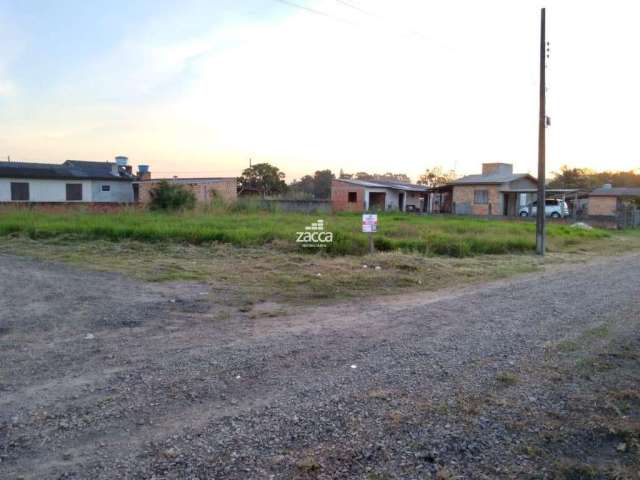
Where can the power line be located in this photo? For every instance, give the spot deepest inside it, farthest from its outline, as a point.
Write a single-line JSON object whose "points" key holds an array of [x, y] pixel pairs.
{"points": [[414, 33], [355, 7], [317, 12]]}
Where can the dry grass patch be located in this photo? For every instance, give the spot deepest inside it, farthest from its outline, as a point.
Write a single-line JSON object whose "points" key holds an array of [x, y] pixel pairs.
{"points": [[507, 378]]}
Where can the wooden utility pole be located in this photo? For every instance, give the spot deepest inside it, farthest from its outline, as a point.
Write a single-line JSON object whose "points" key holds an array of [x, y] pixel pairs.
{"points": [[542, 125]]}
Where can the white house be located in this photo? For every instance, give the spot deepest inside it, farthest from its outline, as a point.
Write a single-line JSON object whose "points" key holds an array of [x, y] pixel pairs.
{"points": [[72, 181]]}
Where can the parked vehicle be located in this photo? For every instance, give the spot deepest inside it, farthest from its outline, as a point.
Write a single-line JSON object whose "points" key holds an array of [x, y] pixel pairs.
{"points": [[553, 208]]}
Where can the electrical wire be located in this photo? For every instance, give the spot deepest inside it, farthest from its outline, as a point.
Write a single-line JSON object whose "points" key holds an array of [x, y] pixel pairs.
{"points": [[315, 11]]}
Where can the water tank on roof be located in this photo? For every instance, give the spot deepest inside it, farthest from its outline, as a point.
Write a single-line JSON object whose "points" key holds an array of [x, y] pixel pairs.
{"points": [[143, 168], [122, 161]]}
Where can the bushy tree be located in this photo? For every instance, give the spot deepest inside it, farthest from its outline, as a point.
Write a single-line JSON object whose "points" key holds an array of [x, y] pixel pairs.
{"points": [[435, 177], [585, 179], [171, 196], [389, 176], [318, 185], [264, 178]]}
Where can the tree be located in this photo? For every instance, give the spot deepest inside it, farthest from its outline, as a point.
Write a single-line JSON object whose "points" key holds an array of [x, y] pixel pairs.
{"points": [[435, 177], [264, 178], [318, 186], [171, 196], [397, 177], [585, 179], [322, 184]]}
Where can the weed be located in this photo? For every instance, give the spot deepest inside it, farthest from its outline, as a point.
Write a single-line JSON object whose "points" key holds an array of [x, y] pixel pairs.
{"points": [[507, 378], [309, 464]]}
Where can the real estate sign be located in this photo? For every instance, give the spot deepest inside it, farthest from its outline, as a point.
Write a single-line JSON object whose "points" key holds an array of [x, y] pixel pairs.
{"points": [[369, 223]]}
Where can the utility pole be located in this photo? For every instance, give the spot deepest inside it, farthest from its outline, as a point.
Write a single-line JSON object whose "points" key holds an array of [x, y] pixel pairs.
{"points": [[542, 125]]}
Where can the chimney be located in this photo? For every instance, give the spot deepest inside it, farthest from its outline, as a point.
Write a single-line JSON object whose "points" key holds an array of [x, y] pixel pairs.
{"points": [[497, 168], [143, 172]]}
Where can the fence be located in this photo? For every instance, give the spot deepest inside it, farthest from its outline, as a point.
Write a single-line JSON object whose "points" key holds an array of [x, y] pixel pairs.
{"points": [[628, 216]]}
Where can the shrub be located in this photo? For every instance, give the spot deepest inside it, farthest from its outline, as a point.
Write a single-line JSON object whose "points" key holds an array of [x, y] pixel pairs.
{"points": [[168, 196]]}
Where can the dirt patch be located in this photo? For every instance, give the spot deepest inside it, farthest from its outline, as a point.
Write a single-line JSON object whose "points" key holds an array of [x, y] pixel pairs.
{"points": [[204, 385]]}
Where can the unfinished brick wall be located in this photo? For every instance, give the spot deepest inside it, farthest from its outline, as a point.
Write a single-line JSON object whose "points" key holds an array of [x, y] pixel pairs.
{"points": [[225, 189], [602, 206], [340, 197], [464, 194]]}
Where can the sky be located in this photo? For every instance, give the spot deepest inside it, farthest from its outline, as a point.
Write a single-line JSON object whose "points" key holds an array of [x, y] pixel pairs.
{"points": [[199, 87]]}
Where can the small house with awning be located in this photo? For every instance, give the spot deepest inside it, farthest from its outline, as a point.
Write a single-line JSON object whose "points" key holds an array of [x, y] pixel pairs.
{"points": [[377, 195]]}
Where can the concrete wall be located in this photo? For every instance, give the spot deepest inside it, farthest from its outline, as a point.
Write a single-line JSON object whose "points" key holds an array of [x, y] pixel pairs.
{"points": [[61, 207], [44, 190], [120, 192], [340, 196], [602, 206], [304, 206]]}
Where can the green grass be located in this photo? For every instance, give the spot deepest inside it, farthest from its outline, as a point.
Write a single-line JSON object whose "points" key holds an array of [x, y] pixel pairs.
{"points": [[446, 236]]}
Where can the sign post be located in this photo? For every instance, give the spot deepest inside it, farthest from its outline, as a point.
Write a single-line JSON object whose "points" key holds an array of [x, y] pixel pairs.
{"points": [[370, 226]]}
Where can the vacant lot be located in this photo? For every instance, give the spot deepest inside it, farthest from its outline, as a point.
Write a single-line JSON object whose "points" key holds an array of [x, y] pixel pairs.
{"points": [[446, 236], [257, 258], [104, 377]]}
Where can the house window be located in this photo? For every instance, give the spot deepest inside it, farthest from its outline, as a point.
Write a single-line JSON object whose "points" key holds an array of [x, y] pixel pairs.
{"points": [[481, 196], [74, 192], [106, 188], [353, 197], [19, 191]]}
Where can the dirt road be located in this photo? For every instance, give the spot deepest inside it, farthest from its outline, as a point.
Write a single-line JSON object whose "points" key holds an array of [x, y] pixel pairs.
{"points": [[103, 377]]}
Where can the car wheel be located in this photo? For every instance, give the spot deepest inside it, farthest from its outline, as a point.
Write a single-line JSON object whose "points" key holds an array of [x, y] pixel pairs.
{"points": [[555, 215], [524, 214]]}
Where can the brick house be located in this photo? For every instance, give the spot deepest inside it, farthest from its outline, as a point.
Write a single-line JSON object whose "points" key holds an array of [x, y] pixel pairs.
{"points": [[363, 195], [497, 191], [607, 200]]}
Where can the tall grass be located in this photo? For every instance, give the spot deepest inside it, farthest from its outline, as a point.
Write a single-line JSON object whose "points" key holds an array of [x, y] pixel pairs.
{"points": [[249, 226]]}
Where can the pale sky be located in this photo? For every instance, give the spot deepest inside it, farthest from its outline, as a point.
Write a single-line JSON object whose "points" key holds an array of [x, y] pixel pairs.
{"points": [[196, 88]]}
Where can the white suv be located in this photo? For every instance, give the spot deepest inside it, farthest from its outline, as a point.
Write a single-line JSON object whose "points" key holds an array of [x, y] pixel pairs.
{"points": [[552, 208]]}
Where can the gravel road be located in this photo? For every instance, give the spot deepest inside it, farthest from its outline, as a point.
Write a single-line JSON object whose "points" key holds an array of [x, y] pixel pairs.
{"points": [[103, 377]]}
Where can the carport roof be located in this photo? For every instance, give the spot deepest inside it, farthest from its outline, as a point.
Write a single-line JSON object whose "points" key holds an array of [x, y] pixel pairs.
{"points": [[616, 192]]}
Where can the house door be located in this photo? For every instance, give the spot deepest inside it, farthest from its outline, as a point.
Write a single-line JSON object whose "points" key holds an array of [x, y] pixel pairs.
{"points": [[377, 201], [509, 201], [401, 201]]}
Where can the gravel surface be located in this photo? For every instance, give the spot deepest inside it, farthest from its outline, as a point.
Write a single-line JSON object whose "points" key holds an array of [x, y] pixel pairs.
{"points": [[103, 377]]}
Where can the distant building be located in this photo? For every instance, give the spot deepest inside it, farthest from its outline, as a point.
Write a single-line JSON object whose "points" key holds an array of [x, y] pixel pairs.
{"points": [[74, 181], [205, 189], [364, 195], [607, 200], [497, 191]]}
